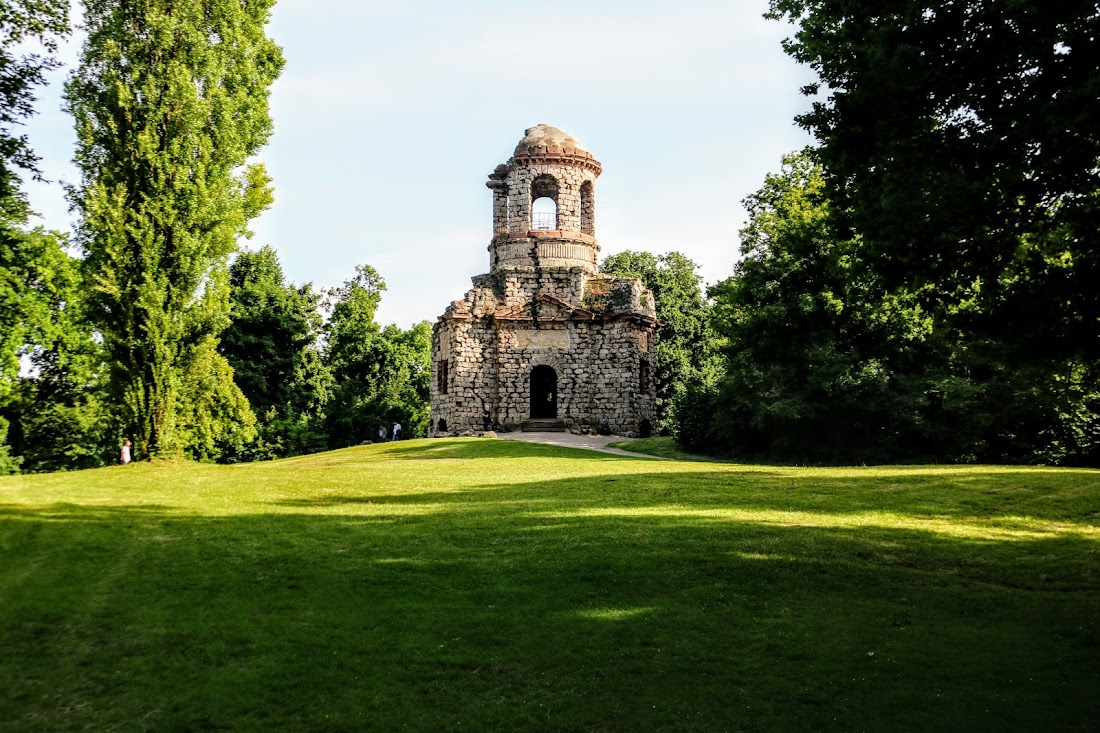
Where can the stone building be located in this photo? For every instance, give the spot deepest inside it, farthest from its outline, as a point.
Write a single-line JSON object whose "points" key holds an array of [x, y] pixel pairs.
{"points": [[544, 341]]}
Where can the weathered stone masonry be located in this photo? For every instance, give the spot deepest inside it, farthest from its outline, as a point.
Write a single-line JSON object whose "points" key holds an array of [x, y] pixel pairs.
{"points": [[543, 335]]}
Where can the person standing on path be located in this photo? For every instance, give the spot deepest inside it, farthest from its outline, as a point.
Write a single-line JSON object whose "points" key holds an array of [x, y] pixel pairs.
{"points": [[396, 430], [125, 457]]}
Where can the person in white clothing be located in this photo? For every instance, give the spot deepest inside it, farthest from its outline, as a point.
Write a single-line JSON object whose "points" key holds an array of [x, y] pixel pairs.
{"points": [[396, 430], [125, 457]]}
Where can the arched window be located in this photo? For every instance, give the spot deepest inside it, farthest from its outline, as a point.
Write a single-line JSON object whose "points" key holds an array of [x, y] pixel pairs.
{"points": [[588, 209], [544, 214], [544, 202]]}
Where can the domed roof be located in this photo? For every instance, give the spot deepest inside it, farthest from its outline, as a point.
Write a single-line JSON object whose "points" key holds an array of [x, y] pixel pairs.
{"points": [[544, 136]]}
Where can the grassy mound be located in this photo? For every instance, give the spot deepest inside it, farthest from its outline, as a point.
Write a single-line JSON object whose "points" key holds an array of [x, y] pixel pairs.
{"points": [[496, 585]]}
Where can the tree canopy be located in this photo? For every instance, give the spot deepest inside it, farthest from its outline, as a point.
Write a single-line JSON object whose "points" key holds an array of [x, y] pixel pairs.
{"points": [[22, 24], [381, 375], [271, 343], [959, 139], [687, 352], [921, 285]]}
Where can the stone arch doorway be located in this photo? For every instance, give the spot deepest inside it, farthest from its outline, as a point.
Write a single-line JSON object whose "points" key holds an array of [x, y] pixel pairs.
{"points": [[544, 392]]}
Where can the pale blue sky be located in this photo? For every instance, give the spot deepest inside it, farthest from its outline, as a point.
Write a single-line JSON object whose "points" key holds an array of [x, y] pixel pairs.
{"points": [[390, 114]]}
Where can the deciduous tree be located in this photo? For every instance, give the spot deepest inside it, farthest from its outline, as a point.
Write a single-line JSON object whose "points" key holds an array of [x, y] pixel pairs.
{"points": [[381, 376], [687, 349], [817, 350], [958, 144], [171, 104], [27, 259], [272, 345], [23, 24]]}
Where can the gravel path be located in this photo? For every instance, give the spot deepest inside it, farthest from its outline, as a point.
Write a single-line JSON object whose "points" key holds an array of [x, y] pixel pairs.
{"points": [[569, 440]]}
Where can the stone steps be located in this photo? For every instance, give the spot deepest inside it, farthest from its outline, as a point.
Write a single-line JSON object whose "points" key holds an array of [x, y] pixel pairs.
{"points": [[546, 425]]}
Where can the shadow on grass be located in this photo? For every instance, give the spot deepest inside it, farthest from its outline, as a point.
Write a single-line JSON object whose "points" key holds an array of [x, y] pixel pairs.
{"points": [[656, 600], [67, 512]]}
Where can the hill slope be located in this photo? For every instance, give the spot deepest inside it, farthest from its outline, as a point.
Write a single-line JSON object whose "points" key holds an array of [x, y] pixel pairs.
{"points": [[495, 585]]}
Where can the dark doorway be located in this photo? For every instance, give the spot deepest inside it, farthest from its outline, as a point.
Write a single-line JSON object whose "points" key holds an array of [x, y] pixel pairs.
{"points": [[544, 392]]}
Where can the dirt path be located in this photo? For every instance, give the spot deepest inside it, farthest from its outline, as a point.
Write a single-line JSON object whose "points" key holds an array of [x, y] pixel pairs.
{"points": [[569, 440]]}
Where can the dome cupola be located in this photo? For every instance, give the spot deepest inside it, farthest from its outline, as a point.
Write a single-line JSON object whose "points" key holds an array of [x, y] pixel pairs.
{"points": [[544, 203]]}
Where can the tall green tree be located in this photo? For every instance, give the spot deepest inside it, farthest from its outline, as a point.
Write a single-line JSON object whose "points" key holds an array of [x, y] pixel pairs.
{"points": [[61, 417], [687, 347], [381, 376], [958, 143], [28, 260], [820, 355], [272, 345], [171, 103], [39, 290], [959, 140]]}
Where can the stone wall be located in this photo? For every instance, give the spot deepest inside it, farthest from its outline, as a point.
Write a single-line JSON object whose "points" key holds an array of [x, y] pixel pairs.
{"points": [[602, 383]]}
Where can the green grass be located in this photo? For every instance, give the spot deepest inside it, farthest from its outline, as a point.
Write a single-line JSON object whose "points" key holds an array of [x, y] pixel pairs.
{"points": [[662, 447], [471, 584]]}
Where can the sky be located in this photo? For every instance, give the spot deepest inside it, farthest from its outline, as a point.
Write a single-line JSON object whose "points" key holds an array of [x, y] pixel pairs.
{"points": [[390, 114]]}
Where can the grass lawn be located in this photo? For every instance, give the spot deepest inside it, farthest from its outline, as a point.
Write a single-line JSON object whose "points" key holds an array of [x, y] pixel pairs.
{"points": [[662, 447], [477, 584]]}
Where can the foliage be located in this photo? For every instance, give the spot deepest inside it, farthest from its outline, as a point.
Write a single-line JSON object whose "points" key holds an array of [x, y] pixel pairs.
{"points": [[171, 102], [216, 422], [60, 407], [58, 416], [28, 259], [22, 24], [956, 140], [381, 376], [956, 152], [687, 349], [36, 279], [8, 463], [818, 350], [271, 343], [479, 584]]}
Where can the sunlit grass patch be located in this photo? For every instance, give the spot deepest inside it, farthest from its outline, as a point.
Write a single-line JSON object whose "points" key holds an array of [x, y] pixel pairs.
{"points": [[994, 530], [613, 614]]}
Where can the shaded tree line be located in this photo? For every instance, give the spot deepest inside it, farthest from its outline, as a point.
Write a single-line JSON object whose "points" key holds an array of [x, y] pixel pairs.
{"points": [[307, 383], [921, 283]]}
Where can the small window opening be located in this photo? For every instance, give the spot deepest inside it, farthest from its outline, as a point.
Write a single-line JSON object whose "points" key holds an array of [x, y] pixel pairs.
{"points": [[442, 426], [441, 376], [643, 376], [588, 209]]}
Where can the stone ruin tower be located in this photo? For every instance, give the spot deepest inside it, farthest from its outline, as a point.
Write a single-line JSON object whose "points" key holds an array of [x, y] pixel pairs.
{"points": [[544, 341]]}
